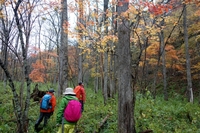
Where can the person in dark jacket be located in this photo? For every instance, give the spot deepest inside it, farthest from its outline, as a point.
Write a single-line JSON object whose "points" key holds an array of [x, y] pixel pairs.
{"points": [[66, 126], [46, 114]]}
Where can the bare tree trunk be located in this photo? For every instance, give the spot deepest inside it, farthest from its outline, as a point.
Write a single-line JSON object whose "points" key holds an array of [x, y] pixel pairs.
{"points": [[97, 77], [80, 66], [144, 70], [63, 53], [189, 78], [105, 85], [155, 77], [163, 62], [164, 68], [17, 107], [23, 119], [101, 72], [105, 64], [125, 94], [80, 57], [112, 56], [111, 76]]}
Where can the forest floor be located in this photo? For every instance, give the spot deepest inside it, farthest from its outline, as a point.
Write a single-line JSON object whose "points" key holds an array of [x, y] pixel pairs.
{"points": [[173, 116]]}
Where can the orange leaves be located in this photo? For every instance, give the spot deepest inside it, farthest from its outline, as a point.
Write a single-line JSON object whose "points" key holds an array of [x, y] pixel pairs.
{"points": [[37, 75], [171, 53], [197, 13], [92, 23], [197, 2], [38, 65], [43, 66], [153, 49], [158, 9]]}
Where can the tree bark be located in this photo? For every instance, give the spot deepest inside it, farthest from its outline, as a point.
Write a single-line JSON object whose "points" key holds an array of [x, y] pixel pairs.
{"points": [[105, 64], [63, 53], [22, 115], [163, 62], [125, 91], [80, 54], [188, 68]]}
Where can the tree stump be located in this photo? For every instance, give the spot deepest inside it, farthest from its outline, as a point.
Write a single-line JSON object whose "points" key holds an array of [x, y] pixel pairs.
{"points": [[37, 94]]}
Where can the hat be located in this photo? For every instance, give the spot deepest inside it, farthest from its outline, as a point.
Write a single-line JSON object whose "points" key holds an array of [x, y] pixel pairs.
{"points": [[69, 91], [80, 83], [51, 90]]}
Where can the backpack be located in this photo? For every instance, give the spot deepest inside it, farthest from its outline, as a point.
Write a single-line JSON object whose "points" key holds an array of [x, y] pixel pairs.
{"points": [[45, 103], [72, 112]]}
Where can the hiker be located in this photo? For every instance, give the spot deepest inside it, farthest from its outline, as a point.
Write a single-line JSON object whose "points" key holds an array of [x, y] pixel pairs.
{"points": [[80, 94], [67, 125], [47, 106]]}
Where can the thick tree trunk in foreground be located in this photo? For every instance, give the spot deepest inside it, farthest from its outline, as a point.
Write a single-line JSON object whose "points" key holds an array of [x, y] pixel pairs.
{"points": [[125, 94], [63, 53]]}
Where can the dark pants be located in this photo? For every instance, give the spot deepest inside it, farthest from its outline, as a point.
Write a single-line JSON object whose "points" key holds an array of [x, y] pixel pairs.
{"points": [[82, 105], [46, 116]]}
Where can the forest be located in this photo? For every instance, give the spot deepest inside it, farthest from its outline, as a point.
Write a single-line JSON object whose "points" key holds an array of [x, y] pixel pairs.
{"points": [[138, 59]]}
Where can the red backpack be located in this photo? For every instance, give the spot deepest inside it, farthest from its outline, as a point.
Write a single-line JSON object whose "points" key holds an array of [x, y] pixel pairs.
{"points": [[72, 112]]}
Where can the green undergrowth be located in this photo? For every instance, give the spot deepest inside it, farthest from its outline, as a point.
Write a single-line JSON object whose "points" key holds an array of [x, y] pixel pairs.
{"points": [[173, 116]]}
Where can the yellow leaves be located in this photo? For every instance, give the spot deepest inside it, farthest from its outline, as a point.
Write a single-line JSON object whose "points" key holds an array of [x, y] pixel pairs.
{"points": [[109, 14], [197, 66], [1, 14], [130, 14], [153, 49], [109, 38], [125, 14], [132, 10], [2, 2], [94, 15], [194, 28], [175, 23], [86, 65], [94, 73]]}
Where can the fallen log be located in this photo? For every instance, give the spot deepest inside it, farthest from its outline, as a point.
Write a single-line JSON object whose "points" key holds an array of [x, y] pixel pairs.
{"points": [[102, 123]]}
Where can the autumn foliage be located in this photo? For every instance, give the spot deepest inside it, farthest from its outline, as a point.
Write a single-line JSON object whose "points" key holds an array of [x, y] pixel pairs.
{"points": [[38, 75], [145, 24], [44, 67]]}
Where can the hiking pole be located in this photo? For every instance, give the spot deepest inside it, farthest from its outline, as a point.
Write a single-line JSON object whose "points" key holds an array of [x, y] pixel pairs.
{"points": [[62, 124]]}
